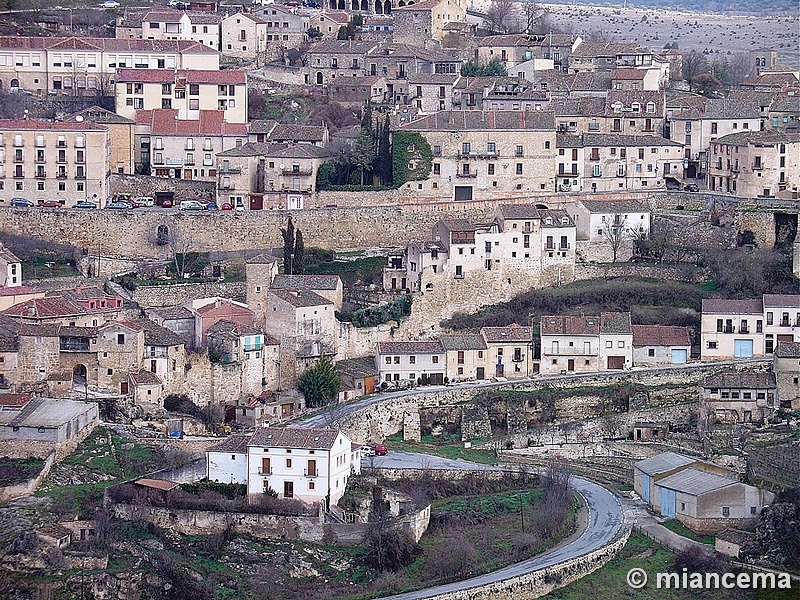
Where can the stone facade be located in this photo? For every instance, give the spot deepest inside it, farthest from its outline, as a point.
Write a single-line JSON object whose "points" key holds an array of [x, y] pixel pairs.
{"points": [[179, 293]]}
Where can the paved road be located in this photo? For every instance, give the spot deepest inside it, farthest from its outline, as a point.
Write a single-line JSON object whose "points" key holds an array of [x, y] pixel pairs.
{"points": [[604, 522], [346, 409]]}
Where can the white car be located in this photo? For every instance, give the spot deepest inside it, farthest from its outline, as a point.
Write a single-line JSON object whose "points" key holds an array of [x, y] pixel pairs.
{"points": [[109, 4]]}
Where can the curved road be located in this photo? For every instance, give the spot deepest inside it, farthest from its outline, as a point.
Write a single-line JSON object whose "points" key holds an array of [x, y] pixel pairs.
{"points": [[604, 522]]}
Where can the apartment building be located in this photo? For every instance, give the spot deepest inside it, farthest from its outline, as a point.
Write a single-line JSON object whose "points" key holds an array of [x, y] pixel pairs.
{"points": [[330, 59], [755, 163], [404, 364], [585, 344], [184, 149], [594, 219], [634, 112], [697, 124], [186, 91], [120, 135], [84, 66], [612, 162], [488, 151], [781, 320], [731, 328], [263, 175], [42, 161]]}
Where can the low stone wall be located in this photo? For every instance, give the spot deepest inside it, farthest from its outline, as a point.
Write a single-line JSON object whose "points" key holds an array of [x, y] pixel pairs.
{"points": [[543, 581], [150, 296], [650, 271], [144, 185], [26, 488]]}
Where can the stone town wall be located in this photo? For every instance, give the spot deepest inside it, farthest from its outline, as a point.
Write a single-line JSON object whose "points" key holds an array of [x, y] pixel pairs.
{"points": [[357, 342], [762, 224], [381, 219], [150, 296], [650, 271], [543, 581], [144, 185]]}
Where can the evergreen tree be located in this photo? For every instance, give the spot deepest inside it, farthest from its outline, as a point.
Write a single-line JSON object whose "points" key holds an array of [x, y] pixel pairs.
{"points": [[320, 384], [288, 247], [299, 264], [384, 159], [364, 152]]}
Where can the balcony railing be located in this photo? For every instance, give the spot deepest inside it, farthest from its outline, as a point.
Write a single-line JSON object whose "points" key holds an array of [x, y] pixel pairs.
{"points": [[478, 154], [727, 330], [471, 174], [263, 472], [230, 171], [314, 473], [299, 172], [564, 247], [569, 352], [744, 330], [549, 246], [758, 167], [74, 346]]}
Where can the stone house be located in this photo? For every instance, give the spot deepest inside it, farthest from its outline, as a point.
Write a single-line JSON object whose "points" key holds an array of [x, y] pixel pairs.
{"points": [[426, 20], [698, 123], [656, 345], [55, 308], [260, 176], [260, 272], [397, 62], [430, 92], [784, 111], [738, 397], [187, 91], [244, 35], [781, 319], [403, 364], [263, 131], [184, 148], [572, 344], [636, 79], [487, 151], [786, 366], [226, 462], [9, 353], [634, 112], [311, 465], [305, 324], [330, 59], [257, 354], [755, 163], [510, 351], [356, 90], [120, 349], [48, 420], [286, 27], [164, 354], [731, 328], [147, 390], [43, 160], [358, 375], [268, 408], [120, 136], [210, 310], [82, 66], [178, 319], [466, 356], [327, 286], [710, 502], [328, 22], [607, 56]]}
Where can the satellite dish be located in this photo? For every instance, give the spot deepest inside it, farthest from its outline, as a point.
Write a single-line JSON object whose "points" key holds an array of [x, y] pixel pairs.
{"points": [[79, 119]]}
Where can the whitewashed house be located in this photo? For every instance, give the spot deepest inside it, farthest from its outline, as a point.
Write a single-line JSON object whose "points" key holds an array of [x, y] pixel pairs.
{"points": [[227, 462]]}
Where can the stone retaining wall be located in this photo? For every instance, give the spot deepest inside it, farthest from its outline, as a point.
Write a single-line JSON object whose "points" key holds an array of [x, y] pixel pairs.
{"points": [[26, 488], [150, 296]]}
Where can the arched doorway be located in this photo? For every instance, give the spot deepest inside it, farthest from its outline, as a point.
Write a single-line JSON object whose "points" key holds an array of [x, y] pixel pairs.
{"points": [[79, 378], [319, 78], [364, 5], [387, 7], [14, 84], [691, 171], [378, 7]]}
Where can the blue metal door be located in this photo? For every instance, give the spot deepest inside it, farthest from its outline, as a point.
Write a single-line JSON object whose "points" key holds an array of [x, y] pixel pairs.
{"points": [[645, 487], [678, 356], [667, 502], [742, 348]]}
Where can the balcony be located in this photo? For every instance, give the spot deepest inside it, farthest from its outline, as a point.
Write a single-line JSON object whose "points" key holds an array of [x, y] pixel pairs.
{"points": [[549, 246], [572, 173], [74, 346], [472, 174], [594, 157], [61, 176], [229, 171], [745, 330], [313, 473], [482, 155], [728, 330], [40, 175], [785, 323], [80, 176], [227, 186], [298, 172], [156, 354], [564, 247], [267, 472], [758, 166], [571, 351]]}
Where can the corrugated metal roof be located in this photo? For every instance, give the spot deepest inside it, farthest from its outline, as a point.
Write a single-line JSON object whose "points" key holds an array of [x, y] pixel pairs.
{"points": [[663, 462], [695, 482]]}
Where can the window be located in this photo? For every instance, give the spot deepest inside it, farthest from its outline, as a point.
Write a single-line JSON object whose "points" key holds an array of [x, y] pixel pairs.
{"points": [[435, 360], [120, 338], [412, 360], [726, 511], [288, 463], [397, 360], [518, 151], [519, 168], [651, 352], [609, 344]]}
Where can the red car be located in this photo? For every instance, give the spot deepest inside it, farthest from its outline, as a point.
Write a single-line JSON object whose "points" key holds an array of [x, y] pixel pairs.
{"points": [[380, 450], [166, 203], [226, 206], [51, 204]]}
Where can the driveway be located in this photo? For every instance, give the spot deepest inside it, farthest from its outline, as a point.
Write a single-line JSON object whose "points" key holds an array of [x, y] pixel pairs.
{"points": [[604, 522]]}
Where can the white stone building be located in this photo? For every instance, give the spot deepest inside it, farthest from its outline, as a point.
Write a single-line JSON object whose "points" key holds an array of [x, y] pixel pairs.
{"points": [[731, 329]]}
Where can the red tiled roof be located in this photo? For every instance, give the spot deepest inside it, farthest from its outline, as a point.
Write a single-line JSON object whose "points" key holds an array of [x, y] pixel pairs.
{"points": [[419, 347], [633, 74], [158, 484], [164, 15], [130, 325], [733, 307], [45, 308], [511, 333], [570, 325], [222, 304], [660, 335], [15, 400], [19, 291], [164, 121], [144, 378], [104, 44], [273, 437]]}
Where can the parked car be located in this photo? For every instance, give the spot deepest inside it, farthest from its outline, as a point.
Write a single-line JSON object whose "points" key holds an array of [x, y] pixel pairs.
{"points": [[109, 4], [380, 449], [21, 202], [145, 201], [166, 203], [691, 187], [51, 204], [226, 206], [84, 205], [191, 205], [118, 205], [211, 206], [367, 451]]}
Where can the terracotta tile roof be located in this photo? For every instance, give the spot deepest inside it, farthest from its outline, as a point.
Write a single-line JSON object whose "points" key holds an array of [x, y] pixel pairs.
{"points": [[19, 291], [54, 531], [570, 325], [342, 47], [598, 49], [629, 74], [516, 212], [73, 331], [14, 400], [583, 107], [277, 150], [759, 138], [261, 259], [459, 225], [124, 324], [298, 133], [237, 443], [290, 437], [104, 44], [788, 350], [311, 282], [144, 378], [157, 484], [775, 80], [299, 298], [660, 335], [615, 322], [337, 16], [732, 307], [261, 125], [156, 335], [237, 329], [736, 536], [173, 313], [163, 121], [480, 120], [740, 380], [46, 330], [511, 333], [462, 341], [781, 300], [46, 308], [223, 305], [164, 15], [412, 347]]}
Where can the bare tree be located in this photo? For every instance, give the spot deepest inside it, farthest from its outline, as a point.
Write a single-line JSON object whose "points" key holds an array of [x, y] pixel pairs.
{"points": [[615, 231], [740, 68], [533, 15], [179, 247], [499, 15], [694, 64]]}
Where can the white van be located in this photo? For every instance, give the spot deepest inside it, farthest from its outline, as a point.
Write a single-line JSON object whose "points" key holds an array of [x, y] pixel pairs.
{"points": [[145, 201], [191, 205]]}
